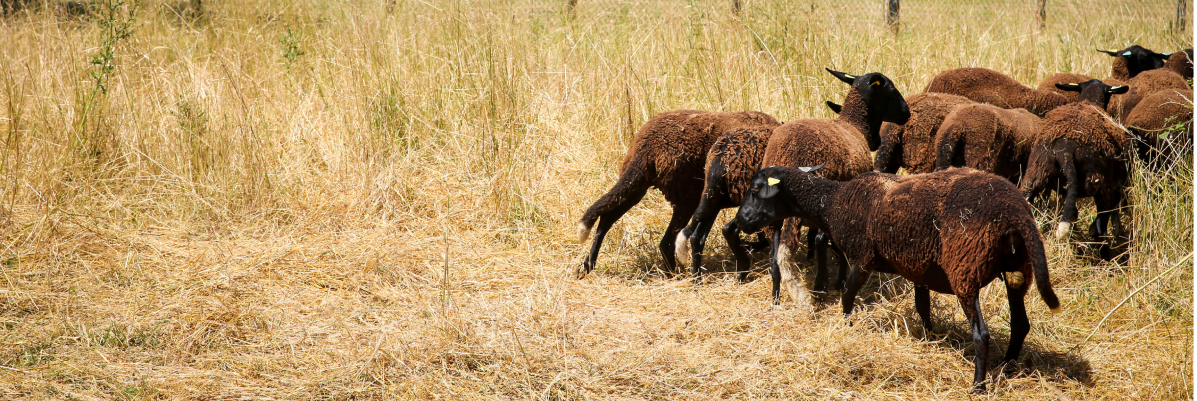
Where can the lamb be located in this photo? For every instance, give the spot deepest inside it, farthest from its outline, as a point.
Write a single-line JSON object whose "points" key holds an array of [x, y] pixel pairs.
{"points": [[997, 140], [1131, 61], [988, 86], [1181, 63], [912, 145], [1081, 152], [1049, 84], [669, 153], [842, 142], [950, 231], [1155, 121]]}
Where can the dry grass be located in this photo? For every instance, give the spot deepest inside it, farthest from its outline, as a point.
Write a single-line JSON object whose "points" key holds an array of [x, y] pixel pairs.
{"points": [[316, 199]]}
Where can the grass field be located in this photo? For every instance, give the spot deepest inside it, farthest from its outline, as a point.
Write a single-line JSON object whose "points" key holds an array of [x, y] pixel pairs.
{"points": [[367, 199]]}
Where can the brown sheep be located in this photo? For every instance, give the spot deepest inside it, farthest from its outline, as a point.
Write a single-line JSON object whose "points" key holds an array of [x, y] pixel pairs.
{"points": [[1154, 124], [1181, 63], [1131, 61], [1144, 85], [1082, 152], [1049, 84], [912, 145], [668, 153], [951, 231], [987, 138], [997, 140], [988, 86], [842, 144]]}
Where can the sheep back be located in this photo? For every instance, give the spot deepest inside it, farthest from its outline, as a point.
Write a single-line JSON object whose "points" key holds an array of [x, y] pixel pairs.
{"points": [[1098, 144], [1049, 84], [988, 86], [1181, 63], [738, 153], [917, 137], [1144, 85], [676, 142], [995, 140], [1160, 111]]}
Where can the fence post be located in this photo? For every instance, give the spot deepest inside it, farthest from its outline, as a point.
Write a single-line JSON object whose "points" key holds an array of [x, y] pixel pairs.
{"points": [[1180, 15], [1043, 14], [891, 14], [736, 6]]}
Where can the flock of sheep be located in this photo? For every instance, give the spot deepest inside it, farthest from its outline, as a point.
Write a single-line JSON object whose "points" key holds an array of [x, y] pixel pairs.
{"points": [[945, 228]]}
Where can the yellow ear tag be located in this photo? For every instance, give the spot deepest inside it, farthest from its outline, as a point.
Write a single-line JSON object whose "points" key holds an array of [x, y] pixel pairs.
{"points": [[773, 181], [875, 83]]}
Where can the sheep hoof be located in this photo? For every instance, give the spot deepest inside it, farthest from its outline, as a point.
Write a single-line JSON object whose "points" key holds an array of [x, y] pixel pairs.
{"points": [[583, 232], [682, 246], [578, 271], [1062, 230]]}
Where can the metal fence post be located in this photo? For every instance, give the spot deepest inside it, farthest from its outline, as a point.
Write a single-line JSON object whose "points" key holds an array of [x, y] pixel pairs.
{"points": [[1180, 15]]}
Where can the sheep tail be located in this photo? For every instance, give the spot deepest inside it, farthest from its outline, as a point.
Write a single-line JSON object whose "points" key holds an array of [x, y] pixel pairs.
{"points": [[1034, 247], [951, 147], [630, 187]]}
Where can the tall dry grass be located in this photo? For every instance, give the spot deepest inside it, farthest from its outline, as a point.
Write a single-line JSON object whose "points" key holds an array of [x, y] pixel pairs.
{"points": [[315, 199]]}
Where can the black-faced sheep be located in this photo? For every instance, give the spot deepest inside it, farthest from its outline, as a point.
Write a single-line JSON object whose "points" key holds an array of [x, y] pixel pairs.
{"points": [[1081, 152], [842, 144], [988, 86], [912, 145], [1133, 60], [669, 153], [950, 231], [1143, 85], [1162, 125], [1049, 84]]}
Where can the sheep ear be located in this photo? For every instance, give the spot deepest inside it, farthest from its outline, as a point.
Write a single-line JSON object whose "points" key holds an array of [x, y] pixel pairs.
{"points": [[1118, 90], [770, 190], [1069, 87], [809, 169], [1112, 53], [834, 107], [847, 78]]}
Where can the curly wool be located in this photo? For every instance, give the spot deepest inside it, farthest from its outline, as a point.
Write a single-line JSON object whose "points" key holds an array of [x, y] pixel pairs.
{"points": [[912, 145], [988, 86]]}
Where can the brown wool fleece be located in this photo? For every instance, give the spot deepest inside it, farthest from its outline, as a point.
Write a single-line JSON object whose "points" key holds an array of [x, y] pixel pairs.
{"points": [[1143, 85], [948, 231], [1180, 63], [1119, 69], [986, 138], [911, 145], [669, 152], [738, 154], [1162, 110], [839, 144], [1049, 84], [988, 86], [1078, 136]]}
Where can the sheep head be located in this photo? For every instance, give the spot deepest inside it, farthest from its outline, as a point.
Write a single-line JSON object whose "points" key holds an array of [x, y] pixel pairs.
{"points": [[762, 204], [883, 102], [1094, 91], [1138, 59]]}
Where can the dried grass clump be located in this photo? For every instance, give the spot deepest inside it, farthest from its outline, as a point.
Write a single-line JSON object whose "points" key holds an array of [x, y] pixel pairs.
{"points": [[364, 200]]}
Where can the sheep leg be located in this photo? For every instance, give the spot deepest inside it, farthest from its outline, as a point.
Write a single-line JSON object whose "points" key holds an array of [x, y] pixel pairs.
{"points": [[843, 264], [1073, 192], [731, 234], [761, 243], [697, 231], [1107, 215], [681, 216], [812, 237], [821, 262], [856, 279], [1019, 324], [922, 305], [972, 309], [617, 202], [774, 264]]}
